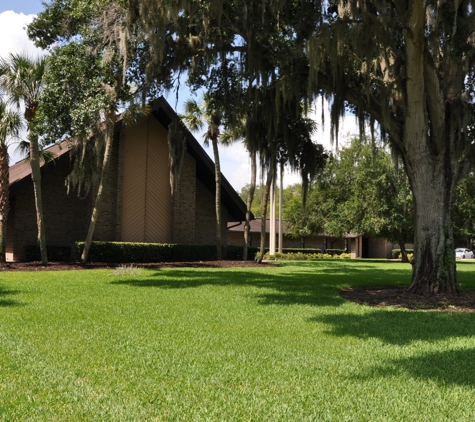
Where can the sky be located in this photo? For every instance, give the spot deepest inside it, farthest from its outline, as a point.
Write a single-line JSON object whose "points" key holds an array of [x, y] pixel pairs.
{"points": [[15, 15]]}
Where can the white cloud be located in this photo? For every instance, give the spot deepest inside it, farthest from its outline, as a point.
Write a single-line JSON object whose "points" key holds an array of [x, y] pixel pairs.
{"points": [[13, 34]]}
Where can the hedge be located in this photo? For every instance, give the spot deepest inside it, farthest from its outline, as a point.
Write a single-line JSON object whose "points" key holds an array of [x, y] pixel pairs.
{"points": [[302, 257], [55, 253], [234, 253], [297, 250], [116, 252], [335, 251], [395, 253]]}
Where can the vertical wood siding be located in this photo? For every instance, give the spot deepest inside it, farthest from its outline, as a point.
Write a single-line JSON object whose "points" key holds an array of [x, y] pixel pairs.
{"points": [[146, 200]]}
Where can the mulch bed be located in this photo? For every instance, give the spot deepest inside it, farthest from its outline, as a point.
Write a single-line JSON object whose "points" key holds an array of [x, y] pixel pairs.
{"points": [[384, 297], [52, 266]]}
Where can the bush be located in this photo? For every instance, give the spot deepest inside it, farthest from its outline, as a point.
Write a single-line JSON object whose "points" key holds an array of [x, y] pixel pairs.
{"points": [[117, 252], [396, 253], [302, 257], [55, 253], [234, 253], [301, 250], [335, 251]]}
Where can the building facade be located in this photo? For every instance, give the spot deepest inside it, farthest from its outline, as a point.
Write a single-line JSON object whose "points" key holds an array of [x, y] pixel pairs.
{"points": [[137, 204]]}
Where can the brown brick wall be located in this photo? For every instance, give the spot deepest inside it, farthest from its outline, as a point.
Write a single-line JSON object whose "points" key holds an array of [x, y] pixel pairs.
{"points": [[184, 207], [106, 223], [120, 184], [380, 248], [63, 225], [235, 238], [205, 215], [67, 217]]}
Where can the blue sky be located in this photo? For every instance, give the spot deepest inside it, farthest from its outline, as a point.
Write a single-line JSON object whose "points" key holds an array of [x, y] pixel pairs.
{"points": [[235, 161], [21, 6]]}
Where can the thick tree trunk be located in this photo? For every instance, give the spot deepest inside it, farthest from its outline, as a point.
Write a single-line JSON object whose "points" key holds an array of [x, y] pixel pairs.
{"points": [[250, 198], [433, 184], [431, 167], [217, 175], [109, 137], [4, 200], [36, 177]]}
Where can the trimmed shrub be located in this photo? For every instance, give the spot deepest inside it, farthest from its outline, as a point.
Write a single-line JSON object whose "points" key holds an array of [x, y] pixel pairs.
{"points": [[234, 253], [335, 251], [117, 252], [396, 253], [301, 250], [55, 253], [302, 257]]}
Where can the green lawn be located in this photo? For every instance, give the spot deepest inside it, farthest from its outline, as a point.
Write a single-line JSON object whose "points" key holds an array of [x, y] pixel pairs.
{"points": [[265, 344]]}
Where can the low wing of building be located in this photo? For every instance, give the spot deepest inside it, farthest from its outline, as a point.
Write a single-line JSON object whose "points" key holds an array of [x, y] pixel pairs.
{"points": [[358, 246]]}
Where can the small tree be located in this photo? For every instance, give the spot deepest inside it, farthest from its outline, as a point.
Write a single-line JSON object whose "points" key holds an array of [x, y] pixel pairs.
{"points": [[196, 117], [10, 126], [80, 103], [21, 78]]}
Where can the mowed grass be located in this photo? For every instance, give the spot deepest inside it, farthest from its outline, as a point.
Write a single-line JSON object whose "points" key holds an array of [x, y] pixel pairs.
{"points": [[265, 344]]}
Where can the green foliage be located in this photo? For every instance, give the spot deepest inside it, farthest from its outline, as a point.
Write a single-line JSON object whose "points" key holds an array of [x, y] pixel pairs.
{"points": [[335, 251], [359, 191], [463, 210], [256, 202], [396, 253], [234, 253], [291, 199], [10, 123], [297, 254], [55, 253], [74, 97]]}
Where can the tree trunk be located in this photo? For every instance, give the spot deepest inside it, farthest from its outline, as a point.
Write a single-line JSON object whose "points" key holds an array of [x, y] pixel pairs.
{"points": [[109, 137], [265, 197], [431, 168], [4, 200], [217, 174], [250, 198], [434, 269], [402, 246], [36, 177]]}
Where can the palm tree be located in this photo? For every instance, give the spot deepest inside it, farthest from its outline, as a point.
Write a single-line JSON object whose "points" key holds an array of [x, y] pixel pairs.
{"points": [[239, 132], [21, 80], [10, 126], [196, 117]]}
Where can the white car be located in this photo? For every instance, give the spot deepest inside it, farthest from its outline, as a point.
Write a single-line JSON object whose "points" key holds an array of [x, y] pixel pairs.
{"points": [[463, 253]]}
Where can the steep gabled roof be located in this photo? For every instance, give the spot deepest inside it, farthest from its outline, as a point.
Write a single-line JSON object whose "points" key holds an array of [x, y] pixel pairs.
{"points": [[162, 111]]}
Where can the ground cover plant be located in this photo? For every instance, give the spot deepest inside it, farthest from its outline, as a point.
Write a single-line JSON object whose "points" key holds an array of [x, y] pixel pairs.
{"points": [[273, 343]]}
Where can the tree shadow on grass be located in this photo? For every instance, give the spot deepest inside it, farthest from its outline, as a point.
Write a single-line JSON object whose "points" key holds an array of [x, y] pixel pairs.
{"points": [[400, 327], [455, 367], [277, 289], [5, 301]]}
